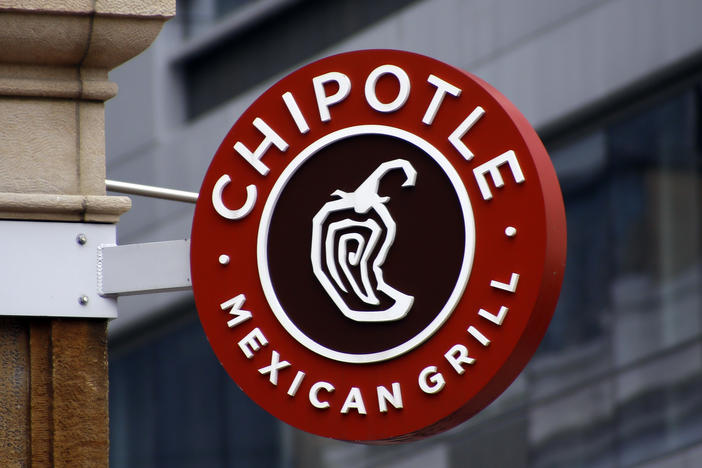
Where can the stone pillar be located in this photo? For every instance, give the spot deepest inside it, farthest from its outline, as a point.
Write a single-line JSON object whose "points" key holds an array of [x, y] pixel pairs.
{"points": [[54, 59]]}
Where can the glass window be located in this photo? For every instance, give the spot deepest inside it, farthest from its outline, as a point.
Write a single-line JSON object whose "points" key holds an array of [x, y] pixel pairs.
{"points": [[223, 7], [632, 292], [197, 16], [172, 405], [582, 170], [632, 195], [272, 45]]}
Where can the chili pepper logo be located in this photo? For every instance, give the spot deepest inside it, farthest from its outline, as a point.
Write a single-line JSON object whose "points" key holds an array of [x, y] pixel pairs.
{"points": [[347, 249]]}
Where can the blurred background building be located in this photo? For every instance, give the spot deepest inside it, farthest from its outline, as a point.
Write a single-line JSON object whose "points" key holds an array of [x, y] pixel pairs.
{"points": [[614, 88]]}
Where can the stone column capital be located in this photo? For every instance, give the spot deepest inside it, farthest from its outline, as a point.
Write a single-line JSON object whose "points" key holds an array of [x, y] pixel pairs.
{"points": [[55, 56], [44, 42]]}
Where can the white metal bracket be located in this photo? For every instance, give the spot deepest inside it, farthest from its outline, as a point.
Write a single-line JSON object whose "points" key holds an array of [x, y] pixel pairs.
{"points": [[47, 269], [55, 269], [124, 270]]}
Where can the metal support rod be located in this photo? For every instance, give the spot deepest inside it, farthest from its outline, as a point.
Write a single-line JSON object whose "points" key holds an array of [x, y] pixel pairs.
{"points": [[151, 191]]}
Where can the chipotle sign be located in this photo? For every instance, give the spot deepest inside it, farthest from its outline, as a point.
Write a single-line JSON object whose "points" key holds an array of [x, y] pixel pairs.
{"points": [[378, 247]]}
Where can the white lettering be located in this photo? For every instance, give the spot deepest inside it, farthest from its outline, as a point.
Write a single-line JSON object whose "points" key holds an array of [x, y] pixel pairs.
{"points": [[458, 355], [509, 287], [252, 342], [442, 88], [295, 112], [276, 364], [295, 385], [225, 212], [234, 304], [402, 94], [492, 167], [496, 319], [354, 400], [462, 129], [435, 378], [324, 101], [314, 398], [270, 138], [385, 397], [475, 333]]}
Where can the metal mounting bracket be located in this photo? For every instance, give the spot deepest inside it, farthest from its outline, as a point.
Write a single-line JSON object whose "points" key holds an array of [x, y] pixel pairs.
{"points": [[47, 269], [56, 269], [124, 270]]}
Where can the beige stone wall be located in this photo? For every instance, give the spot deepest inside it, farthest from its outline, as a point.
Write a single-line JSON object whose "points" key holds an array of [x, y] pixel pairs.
{"points": [[54, 61]]}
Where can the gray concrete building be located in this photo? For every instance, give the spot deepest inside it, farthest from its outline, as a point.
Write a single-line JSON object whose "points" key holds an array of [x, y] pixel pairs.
{"points": [[614, 88]]}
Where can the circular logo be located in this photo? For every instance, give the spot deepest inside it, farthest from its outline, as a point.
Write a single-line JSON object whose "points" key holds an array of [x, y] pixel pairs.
{"points": [[378, 247], [348, 233]]}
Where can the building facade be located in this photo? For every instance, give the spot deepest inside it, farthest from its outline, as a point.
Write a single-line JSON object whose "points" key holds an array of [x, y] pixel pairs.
{"points": [[614, 88]]}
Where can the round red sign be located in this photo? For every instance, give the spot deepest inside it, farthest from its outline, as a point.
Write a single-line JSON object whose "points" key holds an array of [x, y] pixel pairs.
{"points": [[378, 247]]}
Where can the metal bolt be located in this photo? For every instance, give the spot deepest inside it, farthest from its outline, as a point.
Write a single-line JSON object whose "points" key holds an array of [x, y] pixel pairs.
{"points": [[82, 239], [83, 300]]}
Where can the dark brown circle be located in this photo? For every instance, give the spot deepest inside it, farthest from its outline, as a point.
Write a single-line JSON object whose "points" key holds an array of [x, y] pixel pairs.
{"points": [[424, 261]]}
